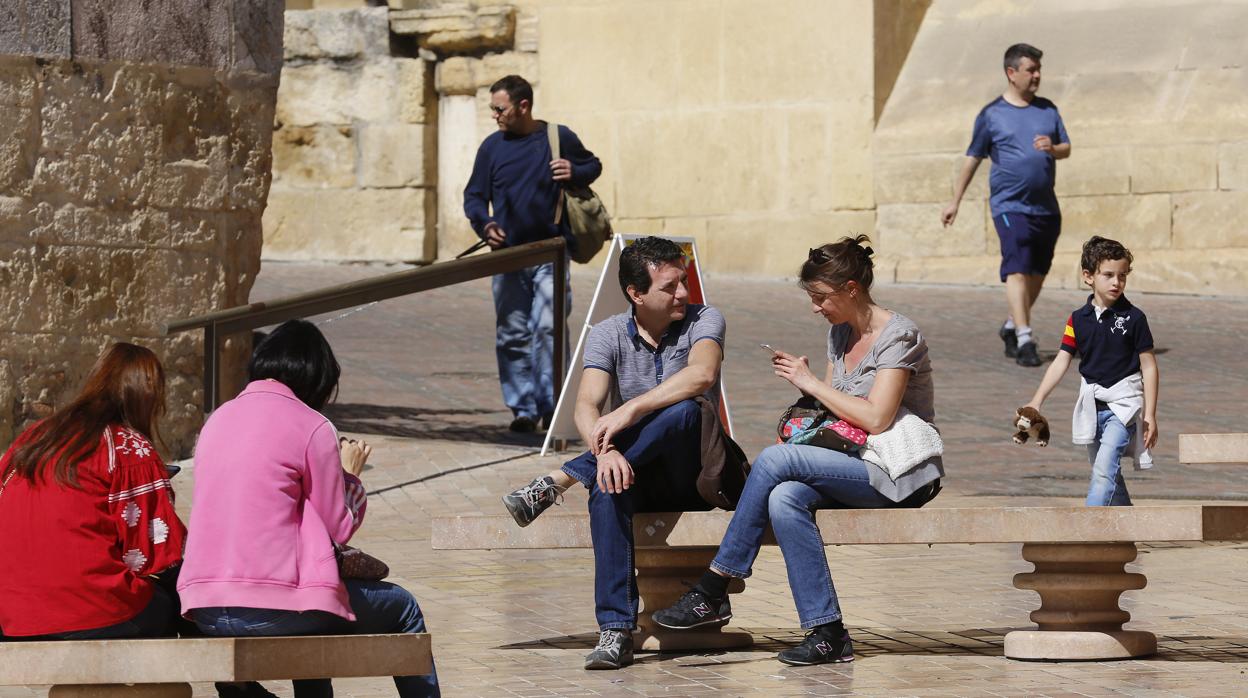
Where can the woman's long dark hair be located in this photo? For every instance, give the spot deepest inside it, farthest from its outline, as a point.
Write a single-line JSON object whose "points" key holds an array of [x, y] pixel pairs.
{"points": [[297, 355], [126, 386]]}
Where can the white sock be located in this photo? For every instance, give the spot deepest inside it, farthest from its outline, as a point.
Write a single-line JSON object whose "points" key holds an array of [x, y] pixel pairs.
{"points": [[1009, 323], [1024, 335]]}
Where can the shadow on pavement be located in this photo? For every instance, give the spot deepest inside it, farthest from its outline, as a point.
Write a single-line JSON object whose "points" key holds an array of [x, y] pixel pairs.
{"points": [[472, 425], [987, 642]]}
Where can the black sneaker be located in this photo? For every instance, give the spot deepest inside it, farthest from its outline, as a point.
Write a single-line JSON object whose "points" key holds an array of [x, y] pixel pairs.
{"points": [[817, 649], [614, 650], [1027, 355], [694, 609], [523, 425], [532, 499], [1010, 337]]}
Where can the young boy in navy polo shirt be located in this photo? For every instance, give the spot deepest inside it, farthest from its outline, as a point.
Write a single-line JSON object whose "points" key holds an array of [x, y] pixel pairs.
{"points": [[1116, 411]]}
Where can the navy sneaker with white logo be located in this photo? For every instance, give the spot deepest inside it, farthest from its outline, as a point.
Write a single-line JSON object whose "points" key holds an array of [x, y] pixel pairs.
{"points": [[819, 649], [694, 609]]}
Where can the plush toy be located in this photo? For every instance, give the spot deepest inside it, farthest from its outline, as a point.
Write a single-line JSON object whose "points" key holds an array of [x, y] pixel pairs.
{"points": [[1030, 422]]}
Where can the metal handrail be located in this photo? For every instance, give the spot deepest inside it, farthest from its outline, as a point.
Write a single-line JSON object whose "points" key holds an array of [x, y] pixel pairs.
{"points": [[349, 295]]}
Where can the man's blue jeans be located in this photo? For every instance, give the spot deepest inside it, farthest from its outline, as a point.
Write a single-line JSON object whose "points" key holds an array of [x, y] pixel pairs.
{"points": [[786, 485], [525, 324], [379, 607], [664, 449], [1107, 487]]}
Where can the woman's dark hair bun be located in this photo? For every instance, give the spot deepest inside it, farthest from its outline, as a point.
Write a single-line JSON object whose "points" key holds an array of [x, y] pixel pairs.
{"points": [[837, 263]]}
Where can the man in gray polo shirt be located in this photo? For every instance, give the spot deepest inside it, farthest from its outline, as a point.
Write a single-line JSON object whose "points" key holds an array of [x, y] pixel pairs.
{"points": [[645, 366]]}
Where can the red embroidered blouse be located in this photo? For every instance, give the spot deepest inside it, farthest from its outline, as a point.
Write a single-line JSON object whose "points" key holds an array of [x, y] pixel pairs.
{"points": [[75, 558]]}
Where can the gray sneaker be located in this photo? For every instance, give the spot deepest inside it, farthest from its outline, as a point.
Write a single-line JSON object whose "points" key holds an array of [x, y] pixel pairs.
{"points": [[614, 650], [527, 502]]}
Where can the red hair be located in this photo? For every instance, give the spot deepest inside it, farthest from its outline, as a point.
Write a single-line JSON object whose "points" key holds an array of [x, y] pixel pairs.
{"points": [[126, 386]]}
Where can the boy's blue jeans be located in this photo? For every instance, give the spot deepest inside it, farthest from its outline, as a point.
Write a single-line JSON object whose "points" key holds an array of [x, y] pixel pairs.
{"points": [[524, 310], [787, 483], [1107, 487], [664, 449], [379, 607]]}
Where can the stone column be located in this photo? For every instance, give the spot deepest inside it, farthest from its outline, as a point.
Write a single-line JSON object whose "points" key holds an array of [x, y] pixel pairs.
{"points": [[134, 167], [458, 139]]}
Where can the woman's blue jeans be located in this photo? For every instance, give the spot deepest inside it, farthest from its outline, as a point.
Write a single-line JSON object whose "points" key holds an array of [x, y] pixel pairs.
{"points": [[1107, 487], [786, 485], [379, 607]]}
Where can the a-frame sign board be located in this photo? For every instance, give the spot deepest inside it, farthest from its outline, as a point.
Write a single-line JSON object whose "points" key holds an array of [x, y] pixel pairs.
{"points": [[608, 301]]}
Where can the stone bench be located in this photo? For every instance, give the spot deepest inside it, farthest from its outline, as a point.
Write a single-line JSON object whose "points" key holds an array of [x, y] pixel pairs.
{"points": [[1079, 555], [164, 668], [1213, 448]]}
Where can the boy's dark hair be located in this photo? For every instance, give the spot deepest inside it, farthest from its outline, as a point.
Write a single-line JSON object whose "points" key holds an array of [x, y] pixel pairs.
{"points": [[297, 355], [637, 259], [1098, 249], [516, 87], [1016, 53]]}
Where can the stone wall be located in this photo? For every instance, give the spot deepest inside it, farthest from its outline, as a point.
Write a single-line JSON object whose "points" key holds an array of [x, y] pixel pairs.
{"points": [[764, 128], [746, 125], [1155, 98], [134, 166], [354, 143]]}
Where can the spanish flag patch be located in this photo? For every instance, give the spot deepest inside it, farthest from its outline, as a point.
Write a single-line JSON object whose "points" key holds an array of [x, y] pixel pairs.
{"points": [[1068, 337]]}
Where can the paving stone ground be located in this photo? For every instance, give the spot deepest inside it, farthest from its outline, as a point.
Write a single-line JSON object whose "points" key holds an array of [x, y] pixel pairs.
{"points": [[419, 381]]}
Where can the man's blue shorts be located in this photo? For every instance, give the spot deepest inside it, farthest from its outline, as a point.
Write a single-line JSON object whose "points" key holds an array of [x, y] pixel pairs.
{"points": [[1027, 242]]}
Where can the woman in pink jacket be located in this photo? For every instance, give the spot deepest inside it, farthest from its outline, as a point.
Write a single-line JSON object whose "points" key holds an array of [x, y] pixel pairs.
{"points": [[274, 492]]}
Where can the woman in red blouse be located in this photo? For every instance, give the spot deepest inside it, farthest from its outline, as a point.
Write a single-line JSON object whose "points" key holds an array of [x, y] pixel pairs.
{"points": [[86, 512]]}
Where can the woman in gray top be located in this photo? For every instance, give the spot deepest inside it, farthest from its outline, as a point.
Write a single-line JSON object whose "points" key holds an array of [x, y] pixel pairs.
{"points": [[877, 364]]}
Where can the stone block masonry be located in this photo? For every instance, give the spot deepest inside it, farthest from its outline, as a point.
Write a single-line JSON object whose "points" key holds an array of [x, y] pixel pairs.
{"points": [[134, 169], [354, 144], [1158, 149]]}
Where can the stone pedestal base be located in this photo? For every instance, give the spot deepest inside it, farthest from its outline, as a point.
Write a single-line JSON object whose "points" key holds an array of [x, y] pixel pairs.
{"points": [[1058, 645], [122, 690], [1079, 618], [664, 574]]}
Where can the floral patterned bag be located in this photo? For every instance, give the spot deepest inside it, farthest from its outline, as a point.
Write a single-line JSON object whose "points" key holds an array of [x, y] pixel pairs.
{"points": [[808, 422]]}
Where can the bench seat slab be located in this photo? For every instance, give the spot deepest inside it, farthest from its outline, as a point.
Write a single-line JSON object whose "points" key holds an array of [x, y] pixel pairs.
{"points": [[173, 661], [1213, 448], [122, 690]]}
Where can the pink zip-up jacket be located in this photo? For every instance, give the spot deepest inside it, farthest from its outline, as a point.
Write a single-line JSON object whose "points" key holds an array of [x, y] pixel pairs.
{"points": [[270, 500]]}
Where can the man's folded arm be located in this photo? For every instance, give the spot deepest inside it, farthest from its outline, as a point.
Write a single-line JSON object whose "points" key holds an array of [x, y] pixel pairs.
{"points": [[694, 379]]}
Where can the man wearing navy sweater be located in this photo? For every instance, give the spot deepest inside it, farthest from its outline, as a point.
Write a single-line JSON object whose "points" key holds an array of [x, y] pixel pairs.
{"points": [[510, 200]]}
